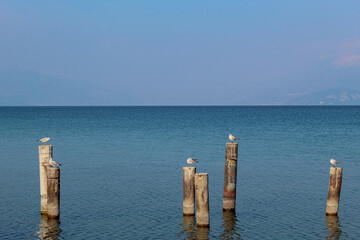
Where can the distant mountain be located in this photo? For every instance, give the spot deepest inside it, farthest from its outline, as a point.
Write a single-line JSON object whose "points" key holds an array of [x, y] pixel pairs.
{"points": [[20, 87], [333, 96]]}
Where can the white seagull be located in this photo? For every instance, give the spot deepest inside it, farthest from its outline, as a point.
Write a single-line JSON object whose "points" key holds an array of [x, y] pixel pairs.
{"points": [[191, 160], [53, 163], [44, 140], [232, 138], [334, 162]]}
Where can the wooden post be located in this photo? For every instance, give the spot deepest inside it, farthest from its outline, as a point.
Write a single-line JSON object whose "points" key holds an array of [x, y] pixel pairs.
{"points": [[45, 153], [189, 191], [53, 192], [229, 197], [333, 198], [202, 200]]}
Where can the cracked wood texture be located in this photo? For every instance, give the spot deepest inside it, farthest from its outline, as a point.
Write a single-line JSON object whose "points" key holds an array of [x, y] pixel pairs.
{"points": [[53, 191], [189, 191], [332, 204], [230, 175], [202, 200], [45, 153]]}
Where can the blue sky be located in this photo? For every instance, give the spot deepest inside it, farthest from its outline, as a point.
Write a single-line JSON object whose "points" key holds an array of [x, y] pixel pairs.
{"points": [[176, 52]]}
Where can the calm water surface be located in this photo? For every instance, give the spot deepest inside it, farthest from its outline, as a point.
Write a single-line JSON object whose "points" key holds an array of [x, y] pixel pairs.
{"points": [[122, 171]]}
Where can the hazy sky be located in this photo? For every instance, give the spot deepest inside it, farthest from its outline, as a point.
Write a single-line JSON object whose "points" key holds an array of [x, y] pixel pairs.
{"points": [[175, 52]]}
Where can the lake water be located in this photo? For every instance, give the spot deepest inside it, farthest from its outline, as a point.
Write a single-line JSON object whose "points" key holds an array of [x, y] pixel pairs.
{"points": [[121, 176]]}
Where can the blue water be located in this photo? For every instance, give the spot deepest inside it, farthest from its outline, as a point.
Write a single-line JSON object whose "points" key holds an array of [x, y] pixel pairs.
{"points": [[122, 171]]}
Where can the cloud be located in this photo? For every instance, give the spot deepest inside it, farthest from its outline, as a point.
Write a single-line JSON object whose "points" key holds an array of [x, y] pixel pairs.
{"points": [[351, 45], [347, 61], [348, 54], [326, 56]]}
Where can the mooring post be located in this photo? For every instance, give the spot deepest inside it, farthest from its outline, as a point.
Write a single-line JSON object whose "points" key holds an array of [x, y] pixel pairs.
{"points": [[53, 192], [332, 204], [45, 153], [202, 200], [189, 191], [229, 197]]}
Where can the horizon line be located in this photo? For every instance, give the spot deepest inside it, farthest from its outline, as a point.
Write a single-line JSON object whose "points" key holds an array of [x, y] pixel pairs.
{"points": [[191, 105]]}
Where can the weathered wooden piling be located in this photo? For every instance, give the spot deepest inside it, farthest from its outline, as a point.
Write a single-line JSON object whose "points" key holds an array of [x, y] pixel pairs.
{"points": [[332, 204], [45, 153], [229, 197], [189, 191], [202, 200], [53, 192]]}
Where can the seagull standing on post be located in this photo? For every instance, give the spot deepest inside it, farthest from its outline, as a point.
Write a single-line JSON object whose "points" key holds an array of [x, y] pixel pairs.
{"points": [[191, 161], [334, 162], [44, 140], [232, 138], [53, 163]]}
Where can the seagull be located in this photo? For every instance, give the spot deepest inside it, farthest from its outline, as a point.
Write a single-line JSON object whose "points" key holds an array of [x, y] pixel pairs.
{"points": [[191, 160], [53, 163], [44, 140], [232, 138], [334, 162]]}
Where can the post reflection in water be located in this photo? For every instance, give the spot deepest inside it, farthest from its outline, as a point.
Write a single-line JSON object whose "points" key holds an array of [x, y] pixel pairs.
{"points": [[231, 229], [202, 233], [332, 225], [188, 227], [49, 228]]}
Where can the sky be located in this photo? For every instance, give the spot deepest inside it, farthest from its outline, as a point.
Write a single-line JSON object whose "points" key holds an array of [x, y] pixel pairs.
{"points": [[176, 52]]}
